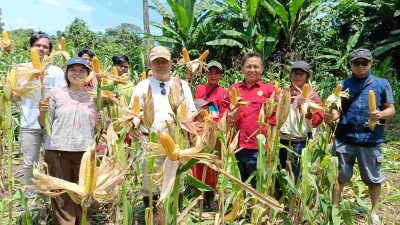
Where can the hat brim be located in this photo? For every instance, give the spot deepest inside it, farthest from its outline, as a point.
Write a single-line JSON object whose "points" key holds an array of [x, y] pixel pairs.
{"points": [[156, 57], [299, 68], [78, 63], [367, 58]]}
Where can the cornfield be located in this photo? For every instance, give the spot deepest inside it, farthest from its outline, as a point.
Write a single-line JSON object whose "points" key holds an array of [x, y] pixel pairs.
{"points": [[109, 181]]}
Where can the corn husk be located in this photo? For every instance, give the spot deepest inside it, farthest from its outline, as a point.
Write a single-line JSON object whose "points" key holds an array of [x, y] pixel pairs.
{"points": [[283, 108], [148, 109], [107, 179]]}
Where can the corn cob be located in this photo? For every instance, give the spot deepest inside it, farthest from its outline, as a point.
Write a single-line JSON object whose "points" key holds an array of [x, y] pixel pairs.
{"points": [[372, 101], [338, 90], [204, 55], [6, 37], [63, 44], [185, 54], [183, 112], [276, 85], [96, 64], [104, 82], [169, 146], [136, 105], [35, 59], [234, 96], [115, 71], [143, 75], [306, 90], [90, 173]]}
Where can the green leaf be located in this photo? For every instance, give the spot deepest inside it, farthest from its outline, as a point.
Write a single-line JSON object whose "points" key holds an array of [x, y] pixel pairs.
{"points": [[281, 11], [163, 39], [269, 7], [233, 5], [188, 166], [167, 28], [234, 34], [382, 49], [294, 6], [199, 184], [161, 10], [225, 42], [251, 8], [353, 40]]}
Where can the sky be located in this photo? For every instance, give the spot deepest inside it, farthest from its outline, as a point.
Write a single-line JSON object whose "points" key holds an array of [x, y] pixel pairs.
{"points": [[52, 15]]}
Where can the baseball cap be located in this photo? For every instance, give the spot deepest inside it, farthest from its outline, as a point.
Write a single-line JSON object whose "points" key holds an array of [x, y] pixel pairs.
{"points": [[301, 65], [159, 52], [78, 60], [214, 64], [361, 53]]}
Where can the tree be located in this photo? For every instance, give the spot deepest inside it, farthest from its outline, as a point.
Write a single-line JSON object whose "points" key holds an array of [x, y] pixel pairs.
{"points": [[1, 21], [146, 21]]}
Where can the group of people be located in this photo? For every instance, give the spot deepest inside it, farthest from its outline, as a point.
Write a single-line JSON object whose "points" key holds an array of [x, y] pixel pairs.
{"points": [[74, 118]]}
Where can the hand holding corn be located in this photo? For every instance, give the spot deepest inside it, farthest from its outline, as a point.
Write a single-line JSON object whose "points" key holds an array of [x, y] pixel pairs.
{"points": [[44, 105], [331, 117]]}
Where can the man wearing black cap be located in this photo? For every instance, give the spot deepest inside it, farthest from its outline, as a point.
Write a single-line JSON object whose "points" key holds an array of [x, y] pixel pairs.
{"points": [[209, 96], [354, 139], [292, 133]]}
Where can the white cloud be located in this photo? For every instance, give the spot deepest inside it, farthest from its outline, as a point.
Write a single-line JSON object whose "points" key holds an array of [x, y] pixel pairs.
{"points": [[58, 3], [82, 7], [21, 22]]}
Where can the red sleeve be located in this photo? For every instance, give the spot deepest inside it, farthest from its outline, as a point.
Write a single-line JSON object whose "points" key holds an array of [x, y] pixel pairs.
{"points": [[318, 116], [224, 102]]}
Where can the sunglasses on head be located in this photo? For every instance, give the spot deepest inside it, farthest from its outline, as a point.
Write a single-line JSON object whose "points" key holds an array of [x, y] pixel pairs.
{"points": [[163, 90], [360, 63]]}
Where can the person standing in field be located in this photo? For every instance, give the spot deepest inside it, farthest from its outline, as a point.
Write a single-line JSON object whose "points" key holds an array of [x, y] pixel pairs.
{"points": [[290, 133], [209, 97], [87, 55], [161, 82], [32, 134], [74, 119], [255, 93], [354, 139]]}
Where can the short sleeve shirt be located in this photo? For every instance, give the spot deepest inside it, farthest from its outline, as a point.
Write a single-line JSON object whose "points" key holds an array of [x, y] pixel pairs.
{"points": [[162, 108]]}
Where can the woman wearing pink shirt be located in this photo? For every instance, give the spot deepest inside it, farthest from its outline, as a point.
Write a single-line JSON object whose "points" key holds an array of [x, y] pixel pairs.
{"points": [[73, 119]]}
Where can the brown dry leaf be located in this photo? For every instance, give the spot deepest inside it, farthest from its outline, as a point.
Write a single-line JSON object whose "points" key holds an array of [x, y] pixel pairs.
{"points": [[175, 92], [148, 109]]}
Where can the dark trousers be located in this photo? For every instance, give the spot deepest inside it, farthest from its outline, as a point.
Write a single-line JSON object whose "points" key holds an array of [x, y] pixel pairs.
{"points": [[247, 163], [65, 165], [295, 162]]}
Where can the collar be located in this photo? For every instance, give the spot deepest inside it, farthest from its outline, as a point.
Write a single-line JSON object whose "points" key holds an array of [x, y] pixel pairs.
{"points": [[257, 84]]}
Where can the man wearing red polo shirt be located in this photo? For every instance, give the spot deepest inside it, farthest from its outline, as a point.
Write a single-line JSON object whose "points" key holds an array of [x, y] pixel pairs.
{"points": [[255, 93]]}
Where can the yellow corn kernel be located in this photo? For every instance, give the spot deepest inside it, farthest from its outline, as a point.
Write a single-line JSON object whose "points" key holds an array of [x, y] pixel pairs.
{"points": [[104, 82], [12, 79], [6, 37], [204, 55], [276, 85], [234, 96], [372, 101], [63, 44], [90, 173], [143, 75], [338, 90], [185, 54], [136, 105], [96, 64], [35, 59], [306, 90], [183, 112], [115, 71], [169, 146]]}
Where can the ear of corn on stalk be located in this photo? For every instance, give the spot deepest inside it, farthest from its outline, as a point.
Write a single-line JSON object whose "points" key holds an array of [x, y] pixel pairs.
{"points": [[35, 59], [338, 90], [372, 101], [372, 108], [6, 37], [169, 146], [185, 54], [204, 55], [143, 75], [96, 64], [136, 105], [305, 91], [115, 71], [234, 96], [63, 44], [283, 108], [183, 112], [148, 109]]}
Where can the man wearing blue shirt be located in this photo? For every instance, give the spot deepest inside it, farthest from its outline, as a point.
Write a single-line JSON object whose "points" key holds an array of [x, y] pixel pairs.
{"points": [[353, 138]]}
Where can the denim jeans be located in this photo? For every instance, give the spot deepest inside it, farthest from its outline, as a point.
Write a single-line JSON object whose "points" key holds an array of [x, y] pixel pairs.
{"points": [[247, 163], [283, 156]]}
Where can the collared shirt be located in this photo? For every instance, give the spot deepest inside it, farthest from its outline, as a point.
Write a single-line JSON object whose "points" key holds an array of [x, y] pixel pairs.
{"points": [[352, 127], [73, 120], [291, 126], [54, 78], [215, 97], [162, 108], [247, 118]]}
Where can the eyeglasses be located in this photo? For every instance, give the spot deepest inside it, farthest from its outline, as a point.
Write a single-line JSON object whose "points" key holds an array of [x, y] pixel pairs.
{"points": [[360, 63], [163, 90]]}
